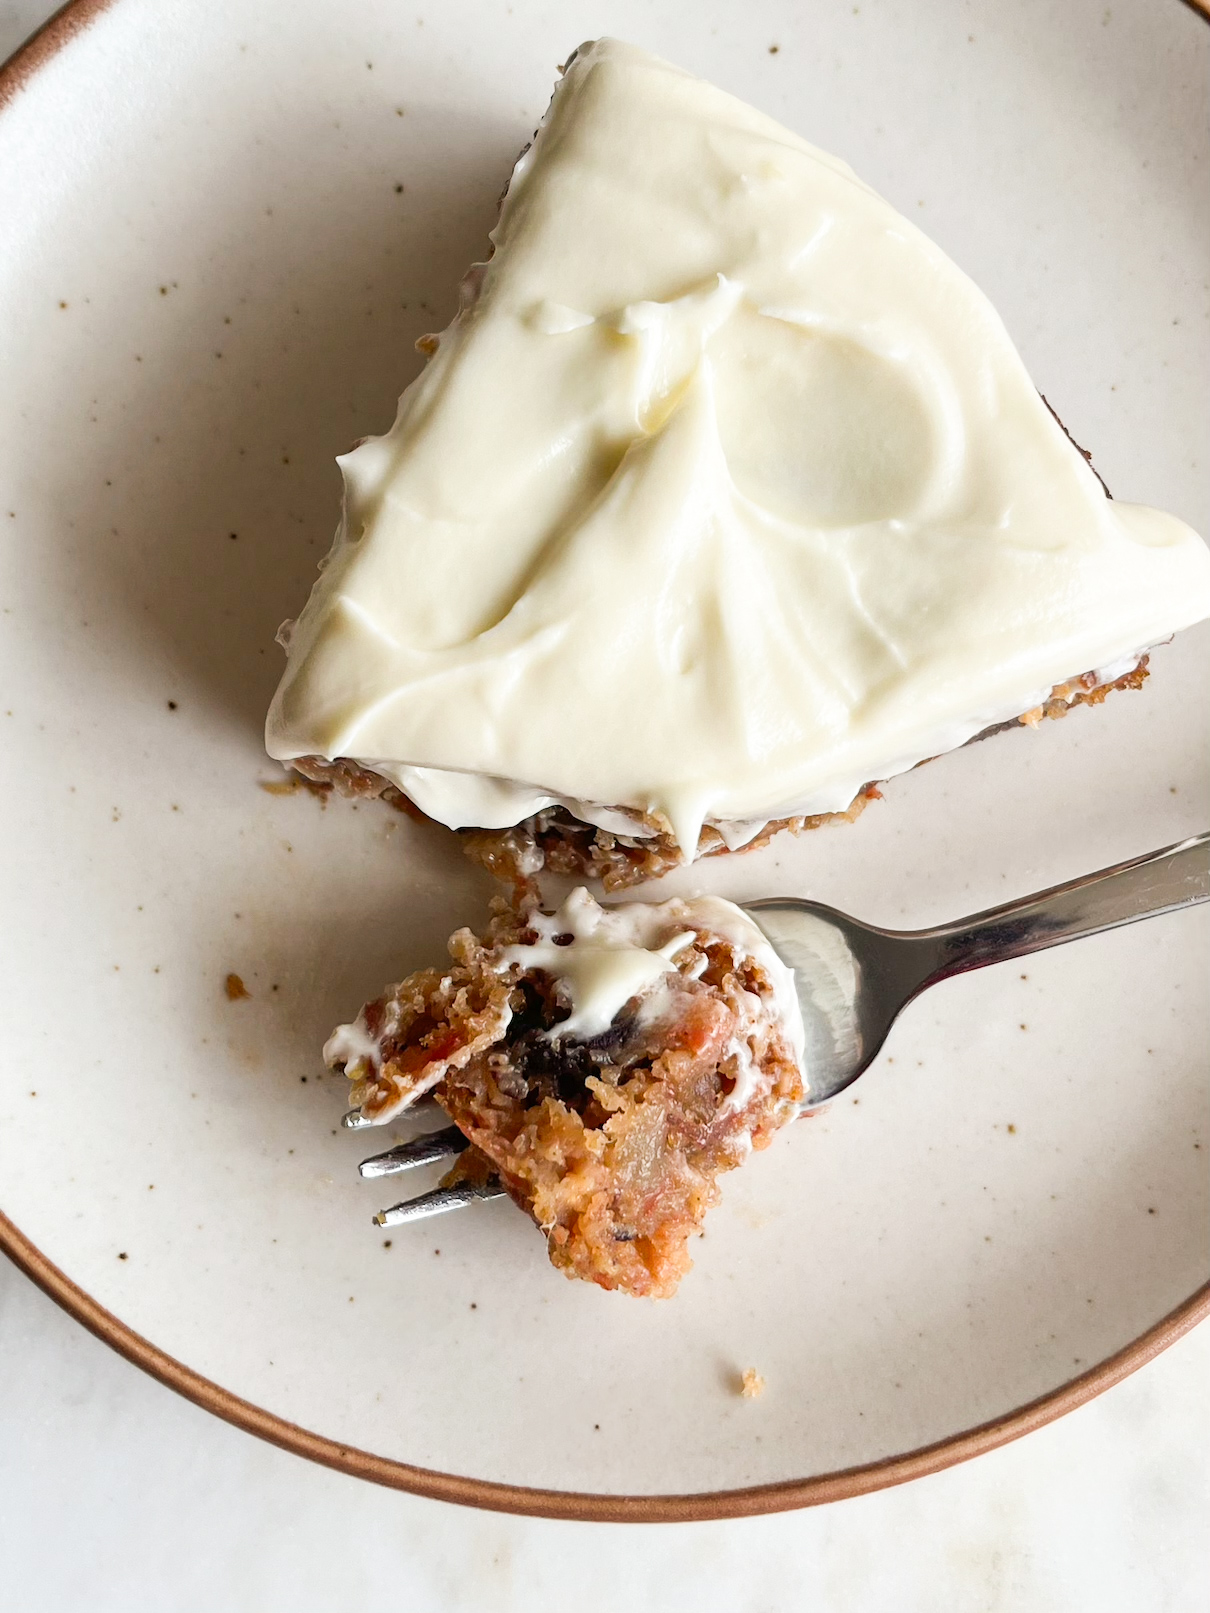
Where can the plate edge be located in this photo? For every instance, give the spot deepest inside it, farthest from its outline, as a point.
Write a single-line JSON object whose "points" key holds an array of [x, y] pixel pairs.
{"points": [[63, 26], [584, 1506], [77, 15], [58, 30]]}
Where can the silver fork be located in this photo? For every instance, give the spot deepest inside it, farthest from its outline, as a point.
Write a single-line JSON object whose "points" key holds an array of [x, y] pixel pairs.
{"points": [[855, 979], [427, 1149]]}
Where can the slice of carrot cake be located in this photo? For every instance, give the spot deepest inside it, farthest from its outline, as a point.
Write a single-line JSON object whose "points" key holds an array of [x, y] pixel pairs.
{"points": [[725, 494], [606, 1064]]}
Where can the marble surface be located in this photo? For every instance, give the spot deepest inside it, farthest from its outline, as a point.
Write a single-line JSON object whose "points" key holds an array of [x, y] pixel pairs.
{"points": [[116, 1494]]}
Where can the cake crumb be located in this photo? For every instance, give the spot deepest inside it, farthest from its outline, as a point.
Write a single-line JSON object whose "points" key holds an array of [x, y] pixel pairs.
{"points": [[235, 988], [751, 1384], [291, 786]]}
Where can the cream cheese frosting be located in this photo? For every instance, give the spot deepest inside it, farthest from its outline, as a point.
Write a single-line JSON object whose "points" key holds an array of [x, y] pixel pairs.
{"points": [[602, 958], [725, 493]]}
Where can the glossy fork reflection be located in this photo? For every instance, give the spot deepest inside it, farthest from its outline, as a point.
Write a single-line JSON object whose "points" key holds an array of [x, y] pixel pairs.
{"points": [[855, 979], [427, 1149]]}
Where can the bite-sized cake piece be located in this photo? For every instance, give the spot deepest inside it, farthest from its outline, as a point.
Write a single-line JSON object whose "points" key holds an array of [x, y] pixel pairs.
{"points": [[606, 1063], [725, 494]]}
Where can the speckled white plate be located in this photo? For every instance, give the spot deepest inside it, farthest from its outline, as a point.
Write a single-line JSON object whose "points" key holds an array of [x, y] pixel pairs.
{"points": [[223, 227]]}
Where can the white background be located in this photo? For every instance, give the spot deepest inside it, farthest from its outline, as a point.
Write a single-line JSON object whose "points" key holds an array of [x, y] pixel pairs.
{"points": [[115, 1494]]}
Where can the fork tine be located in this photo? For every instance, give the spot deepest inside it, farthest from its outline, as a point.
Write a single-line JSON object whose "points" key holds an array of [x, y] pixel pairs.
{"points": [[438, 1202], [354, 1120], [424, 1150]]}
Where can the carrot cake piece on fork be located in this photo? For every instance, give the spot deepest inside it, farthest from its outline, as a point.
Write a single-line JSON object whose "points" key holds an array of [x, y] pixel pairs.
{"points": [[607, 1065]]}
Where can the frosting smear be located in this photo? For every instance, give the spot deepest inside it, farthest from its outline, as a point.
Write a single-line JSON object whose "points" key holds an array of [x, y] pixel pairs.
{"points": [[725, 493]]}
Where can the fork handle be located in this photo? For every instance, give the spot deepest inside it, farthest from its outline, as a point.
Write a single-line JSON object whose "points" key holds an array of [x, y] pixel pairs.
{"points": [[1173, 877]]}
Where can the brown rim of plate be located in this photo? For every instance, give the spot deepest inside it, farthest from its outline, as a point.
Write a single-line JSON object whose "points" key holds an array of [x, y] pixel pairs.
{"points": [[582, 1506], [579, 1505]]}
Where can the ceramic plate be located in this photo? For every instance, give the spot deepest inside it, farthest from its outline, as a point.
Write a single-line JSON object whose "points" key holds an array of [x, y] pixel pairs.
{"points": [[224, 227]]}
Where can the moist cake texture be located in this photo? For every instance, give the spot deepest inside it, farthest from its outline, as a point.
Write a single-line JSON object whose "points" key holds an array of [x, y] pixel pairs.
{"points": [[556, 841], [606, 1064], [724, 495]]}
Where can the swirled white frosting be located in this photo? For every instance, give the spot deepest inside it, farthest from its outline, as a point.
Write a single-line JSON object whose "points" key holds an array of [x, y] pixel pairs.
{"points": [[725, 493], [601, 959]]}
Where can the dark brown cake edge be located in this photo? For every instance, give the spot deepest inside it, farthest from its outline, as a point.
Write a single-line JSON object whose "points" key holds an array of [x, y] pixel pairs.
{"points": [[557, 841]]}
